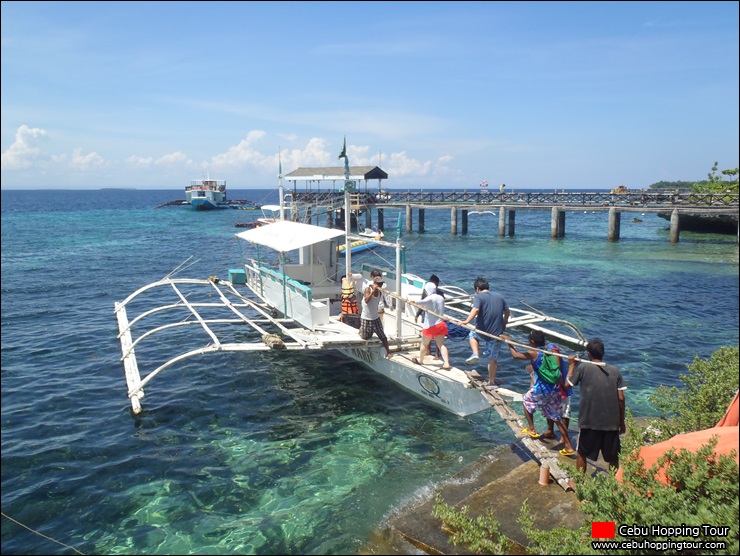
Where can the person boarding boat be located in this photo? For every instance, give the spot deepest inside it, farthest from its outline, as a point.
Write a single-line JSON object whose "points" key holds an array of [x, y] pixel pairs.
{"points": [[370, 321], [435, 328]]}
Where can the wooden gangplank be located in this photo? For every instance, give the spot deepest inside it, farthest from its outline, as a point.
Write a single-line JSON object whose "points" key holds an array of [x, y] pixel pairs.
{"points": [[540, 451]]}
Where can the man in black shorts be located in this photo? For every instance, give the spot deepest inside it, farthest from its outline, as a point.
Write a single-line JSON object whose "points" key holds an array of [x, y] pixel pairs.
{"points": [[601, 409]]}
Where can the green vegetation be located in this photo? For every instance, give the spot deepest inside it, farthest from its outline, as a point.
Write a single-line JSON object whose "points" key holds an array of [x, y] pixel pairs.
{"points": [[701, 488], [714, 184], [481, 534], [717, 184], [708, 390]]}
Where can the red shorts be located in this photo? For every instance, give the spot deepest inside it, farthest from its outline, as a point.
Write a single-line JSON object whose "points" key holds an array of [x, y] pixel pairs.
{"points": [[439, 329]]}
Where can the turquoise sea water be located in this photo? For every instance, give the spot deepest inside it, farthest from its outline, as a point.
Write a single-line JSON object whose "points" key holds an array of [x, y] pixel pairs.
{"points": [[299, 453]]}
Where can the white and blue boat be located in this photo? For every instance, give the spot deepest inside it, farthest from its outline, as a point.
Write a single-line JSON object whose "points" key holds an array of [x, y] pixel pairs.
{"points": [[206, 194]]}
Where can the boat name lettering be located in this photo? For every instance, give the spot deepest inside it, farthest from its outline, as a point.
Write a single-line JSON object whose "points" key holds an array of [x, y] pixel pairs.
{"points": [[365, 354]]}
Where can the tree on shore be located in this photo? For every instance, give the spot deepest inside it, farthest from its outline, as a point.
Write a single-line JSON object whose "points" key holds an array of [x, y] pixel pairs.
{"points": [[717, 183]]}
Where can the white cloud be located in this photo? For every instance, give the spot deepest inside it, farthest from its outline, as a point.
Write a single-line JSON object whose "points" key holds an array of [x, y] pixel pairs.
{"points": [[399, 164], [240, 155], [315, 153], [140, 161], [85, 162], [172, 159], [24, 151], [248, 157]]}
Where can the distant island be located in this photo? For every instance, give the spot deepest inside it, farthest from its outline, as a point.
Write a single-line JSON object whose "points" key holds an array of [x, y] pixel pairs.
{"points": [[674, 184]]}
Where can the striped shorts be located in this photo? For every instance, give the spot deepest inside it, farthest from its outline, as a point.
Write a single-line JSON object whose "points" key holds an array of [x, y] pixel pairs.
{"points": [[370, 327], [549, 402]]}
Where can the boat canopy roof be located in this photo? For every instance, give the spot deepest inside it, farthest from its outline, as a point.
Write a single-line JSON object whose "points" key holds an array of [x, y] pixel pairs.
{"points": [[286, 235], [337, 173], [274, 208]]}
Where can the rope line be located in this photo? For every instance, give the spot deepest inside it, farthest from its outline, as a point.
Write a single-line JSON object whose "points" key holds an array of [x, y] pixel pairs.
{"points": [[41, 534], [454, 320]]}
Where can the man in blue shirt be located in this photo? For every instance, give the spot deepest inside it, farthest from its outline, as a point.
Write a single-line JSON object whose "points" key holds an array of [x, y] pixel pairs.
{"points": [[492, 313]]}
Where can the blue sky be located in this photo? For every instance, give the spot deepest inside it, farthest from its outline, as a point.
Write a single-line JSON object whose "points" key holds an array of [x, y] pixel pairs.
{"points": [[439, 94]]}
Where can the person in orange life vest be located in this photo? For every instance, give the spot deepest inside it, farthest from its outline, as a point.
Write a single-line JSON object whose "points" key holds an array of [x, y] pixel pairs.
{"points": [[349, 299]]}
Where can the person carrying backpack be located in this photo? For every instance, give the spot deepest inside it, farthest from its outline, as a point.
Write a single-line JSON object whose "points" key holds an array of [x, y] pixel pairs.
{"points": [[567, 393], [545, 392]]}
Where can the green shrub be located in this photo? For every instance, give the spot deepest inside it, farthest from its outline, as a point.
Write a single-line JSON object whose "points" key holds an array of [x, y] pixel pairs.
{"points": [[560, 540], [701, 489], [708, 390], [481, 534]]}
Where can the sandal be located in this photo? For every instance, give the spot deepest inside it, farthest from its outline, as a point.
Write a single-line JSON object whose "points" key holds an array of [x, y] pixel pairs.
{"points": [[548, 435], [566, 452], [415, 361], [446, 368], [530, 433]]}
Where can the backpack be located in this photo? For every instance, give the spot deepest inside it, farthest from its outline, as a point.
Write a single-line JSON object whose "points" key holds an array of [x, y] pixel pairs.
{"points": [[549, 370]]}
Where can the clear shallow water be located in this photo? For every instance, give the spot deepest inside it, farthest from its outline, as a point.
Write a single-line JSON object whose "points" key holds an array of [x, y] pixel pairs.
{"points": [[297, 454]]}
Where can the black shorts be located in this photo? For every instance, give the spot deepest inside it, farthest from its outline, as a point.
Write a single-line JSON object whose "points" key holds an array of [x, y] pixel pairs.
{"points": [[591, 442]]}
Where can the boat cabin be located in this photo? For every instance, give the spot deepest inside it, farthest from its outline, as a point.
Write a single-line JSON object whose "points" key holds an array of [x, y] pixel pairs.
{"points": [[305, 279]]}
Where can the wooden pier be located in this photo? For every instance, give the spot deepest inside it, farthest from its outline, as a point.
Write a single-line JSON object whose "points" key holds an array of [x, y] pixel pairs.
{"points": [[506, 204]]}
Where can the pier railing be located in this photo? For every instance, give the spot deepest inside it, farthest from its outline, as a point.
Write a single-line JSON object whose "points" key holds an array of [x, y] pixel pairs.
{"points": [[646, 199]]}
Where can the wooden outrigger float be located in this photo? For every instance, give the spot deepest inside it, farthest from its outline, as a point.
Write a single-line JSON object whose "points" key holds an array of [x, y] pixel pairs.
{"points": [[296, 306]]}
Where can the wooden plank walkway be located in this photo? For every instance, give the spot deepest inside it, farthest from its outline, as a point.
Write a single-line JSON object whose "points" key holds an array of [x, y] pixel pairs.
{"points": [[540, 451]]}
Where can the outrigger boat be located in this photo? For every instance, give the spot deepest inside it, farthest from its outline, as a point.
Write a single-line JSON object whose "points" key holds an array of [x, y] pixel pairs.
{"points": [[295, 304], [270, 214], [369, 239], [206, 194], [297, 307]]}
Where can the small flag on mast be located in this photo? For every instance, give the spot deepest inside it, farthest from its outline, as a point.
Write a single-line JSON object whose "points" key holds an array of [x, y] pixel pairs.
{"points": [[343, 154]]}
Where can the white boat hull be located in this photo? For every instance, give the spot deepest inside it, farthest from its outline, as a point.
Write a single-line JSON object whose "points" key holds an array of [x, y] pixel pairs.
{"points": [[449, 390]]}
